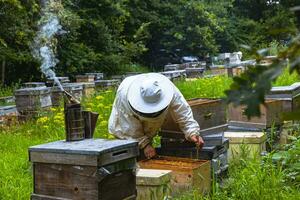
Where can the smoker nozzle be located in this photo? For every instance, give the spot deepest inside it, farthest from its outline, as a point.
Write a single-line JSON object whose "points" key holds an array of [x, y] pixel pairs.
{"points": [[71, 98]]}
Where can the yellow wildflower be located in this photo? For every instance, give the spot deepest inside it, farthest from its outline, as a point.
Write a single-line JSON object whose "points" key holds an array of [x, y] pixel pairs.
{"points": [[99, 97], [42, 120], [53, 109], [103, 123], [100, 105]]}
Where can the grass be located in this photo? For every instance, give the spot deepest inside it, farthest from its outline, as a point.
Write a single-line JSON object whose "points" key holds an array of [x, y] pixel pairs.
{"points": [[286, 78], [7, 90], [213, 87]]}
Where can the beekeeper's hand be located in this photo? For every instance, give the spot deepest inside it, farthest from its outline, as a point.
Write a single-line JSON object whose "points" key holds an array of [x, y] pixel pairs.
{"points": [[197, 139], [149, 151]]}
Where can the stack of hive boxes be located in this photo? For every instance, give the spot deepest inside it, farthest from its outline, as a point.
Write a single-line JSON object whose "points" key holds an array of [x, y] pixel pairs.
{"points": [[243, 130], [211, 116]]}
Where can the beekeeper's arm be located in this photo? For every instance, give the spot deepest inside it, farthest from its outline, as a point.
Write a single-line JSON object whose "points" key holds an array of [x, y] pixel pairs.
{"points": [[123, 125], [182, 114]]}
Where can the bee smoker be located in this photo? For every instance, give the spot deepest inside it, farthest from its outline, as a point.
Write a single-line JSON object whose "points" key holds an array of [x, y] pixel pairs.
{"points": [[79, 124]]}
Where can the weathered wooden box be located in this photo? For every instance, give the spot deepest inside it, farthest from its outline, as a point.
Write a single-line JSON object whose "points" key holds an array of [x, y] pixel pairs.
{"points": [[174, 75], [187, 174], [31, 100], [206, 153], [207, 112], [106, 84], [75, 89], [194, 72], [97, 75], [34, 84], [270, 114], [288, 95], [253, 143], [87, 169], [153, 184], [62, 79], [88, 88], [85, 78]]}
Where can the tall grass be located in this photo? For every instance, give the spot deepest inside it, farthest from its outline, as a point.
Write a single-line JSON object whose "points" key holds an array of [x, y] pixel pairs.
{"points": [[212, 87], [286, 78]]}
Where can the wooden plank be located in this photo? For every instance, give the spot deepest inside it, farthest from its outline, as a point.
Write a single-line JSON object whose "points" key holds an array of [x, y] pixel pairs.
{"points": [[66, 181], [61, 158], [45, 197]]}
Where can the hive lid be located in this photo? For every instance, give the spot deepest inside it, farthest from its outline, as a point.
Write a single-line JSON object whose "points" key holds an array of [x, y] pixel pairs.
{"points": [[285, 91], [152, 176], [32, 91], [245, 137], [84, 147]]}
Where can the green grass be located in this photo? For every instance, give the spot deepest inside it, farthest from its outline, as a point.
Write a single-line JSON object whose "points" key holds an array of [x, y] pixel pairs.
{"points": [[213, 87], [286, 78]]}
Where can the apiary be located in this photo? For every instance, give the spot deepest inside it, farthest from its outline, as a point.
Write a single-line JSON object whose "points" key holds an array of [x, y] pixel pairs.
{"points": [[253, 143], [194, 72], [87, 169], [30, 100], [75, 89], [270, 114], [153, 184], [288, 95], [85, 78], [208, 113], [187, 174]]}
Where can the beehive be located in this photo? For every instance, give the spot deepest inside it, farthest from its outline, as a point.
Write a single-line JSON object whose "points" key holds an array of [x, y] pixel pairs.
{"points": [[208, 113], [98, 75], [31, 100], [153, 184], [270, 114], [253, 143], [288, 95], [85, 78], [194, 72], [187, 174], [88, 89], [88, 169], [106, 84]]}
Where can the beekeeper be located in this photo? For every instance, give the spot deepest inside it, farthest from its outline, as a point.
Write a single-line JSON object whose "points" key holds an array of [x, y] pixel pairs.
{"points": [[141, 105]]}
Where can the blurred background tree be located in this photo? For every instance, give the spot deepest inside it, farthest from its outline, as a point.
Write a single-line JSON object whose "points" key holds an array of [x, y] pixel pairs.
{"points": [[116, 36]]}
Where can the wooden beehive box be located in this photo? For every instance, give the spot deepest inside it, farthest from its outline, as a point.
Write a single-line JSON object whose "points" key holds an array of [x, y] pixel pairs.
{"points": [[270, 114], [30, 100], [107, 84], [288, 95], [87, 169], [85, 78], [207, 112], [252, 142], [88, 89], [153, 184], [98, 75], [187, 174], [50, 82], [194, 72]]}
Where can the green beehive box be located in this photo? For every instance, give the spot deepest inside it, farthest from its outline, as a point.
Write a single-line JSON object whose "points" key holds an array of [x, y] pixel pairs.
{"points": [[252, 142]]}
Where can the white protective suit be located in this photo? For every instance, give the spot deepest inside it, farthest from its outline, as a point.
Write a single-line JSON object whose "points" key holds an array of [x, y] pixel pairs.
{"points": [[125, 124]]}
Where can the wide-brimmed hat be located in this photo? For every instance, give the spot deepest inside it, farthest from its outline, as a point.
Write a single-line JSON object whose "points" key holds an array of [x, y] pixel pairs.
{"points": [[150, 93]]}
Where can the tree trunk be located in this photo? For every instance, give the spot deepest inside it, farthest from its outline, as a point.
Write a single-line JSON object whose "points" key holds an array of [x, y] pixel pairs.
{"points": [[3, 72]]}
